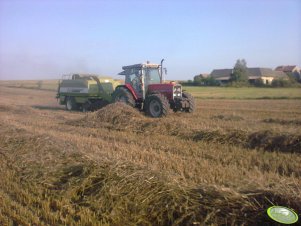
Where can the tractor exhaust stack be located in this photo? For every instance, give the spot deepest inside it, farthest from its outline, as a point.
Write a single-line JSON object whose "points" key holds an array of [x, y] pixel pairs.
{"points": [[161, 72]]}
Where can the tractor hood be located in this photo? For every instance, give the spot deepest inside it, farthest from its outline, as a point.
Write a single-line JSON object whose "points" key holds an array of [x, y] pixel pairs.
{"points": [[167, 90]]}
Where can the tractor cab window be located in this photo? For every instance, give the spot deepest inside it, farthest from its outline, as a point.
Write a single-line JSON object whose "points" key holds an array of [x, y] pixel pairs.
{"points": [[152, 76], [133, 77]]}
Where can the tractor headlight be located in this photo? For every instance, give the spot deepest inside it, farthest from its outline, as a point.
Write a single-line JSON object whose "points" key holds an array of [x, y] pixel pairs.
{"points": [[177, 91]]}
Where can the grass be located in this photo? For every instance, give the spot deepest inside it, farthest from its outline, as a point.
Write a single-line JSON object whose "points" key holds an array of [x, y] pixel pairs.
{"points": [[244, 93], [217, 166]]}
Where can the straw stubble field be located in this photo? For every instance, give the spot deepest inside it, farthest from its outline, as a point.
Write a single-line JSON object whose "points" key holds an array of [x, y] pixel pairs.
{"points": [[222, 165]]}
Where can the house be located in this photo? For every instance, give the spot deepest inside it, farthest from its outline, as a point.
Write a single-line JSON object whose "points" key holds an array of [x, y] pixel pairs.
{"points": [[290, 69], [267, 75], [222, 75]]}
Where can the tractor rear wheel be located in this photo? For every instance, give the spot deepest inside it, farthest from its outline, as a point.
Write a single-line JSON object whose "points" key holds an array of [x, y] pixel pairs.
{"points": [[71, 105], [156, 105], [190, 100], [121, 94]]}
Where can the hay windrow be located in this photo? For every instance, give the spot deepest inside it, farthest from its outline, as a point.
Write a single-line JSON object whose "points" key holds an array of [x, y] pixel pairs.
{"points": [[266, 140], [115, 192], [71, 189], [283, 121], [228, 117], [119, 116]]}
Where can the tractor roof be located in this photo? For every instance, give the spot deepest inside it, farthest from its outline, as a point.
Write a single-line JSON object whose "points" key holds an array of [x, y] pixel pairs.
{"points": [[140, 66]]}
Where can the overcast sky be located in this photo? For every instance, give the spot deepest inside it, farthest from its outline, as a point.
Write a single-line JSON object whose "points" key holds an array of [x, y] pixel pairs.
{"points": [[45, 39]]}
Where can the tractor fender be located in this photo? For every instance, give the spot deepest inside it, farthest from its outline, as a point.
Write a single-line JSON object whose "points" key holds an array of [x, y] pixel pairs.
{"points": [[156, 92]]}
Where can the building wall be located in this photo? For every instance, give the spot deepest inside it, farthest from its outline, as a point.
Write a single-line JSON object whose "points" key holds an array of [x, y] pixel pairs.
{"points": [[296, 69], [267, 80]]}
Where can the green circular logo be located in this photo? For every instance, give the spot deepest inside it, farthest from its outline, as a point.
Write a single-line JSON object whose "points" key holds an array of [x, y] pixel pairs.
{"points": [[282, 214]]}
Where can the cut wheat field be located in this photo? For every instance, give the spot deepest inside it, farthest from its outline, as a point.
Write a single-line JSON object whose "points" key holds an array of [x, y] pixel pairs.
{"points": [[225, 164]]}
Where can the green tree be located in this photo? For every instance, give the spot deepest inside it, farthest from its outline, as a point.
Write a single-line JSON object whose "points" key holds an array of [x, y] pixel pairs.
{"points": [[197, 80], [205, 81], [240, 73]]}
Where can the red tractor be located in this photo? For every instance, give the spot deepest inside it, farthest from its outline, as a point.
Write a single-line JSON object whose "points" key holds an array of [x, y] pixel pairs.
{"points": [[144, 89]]}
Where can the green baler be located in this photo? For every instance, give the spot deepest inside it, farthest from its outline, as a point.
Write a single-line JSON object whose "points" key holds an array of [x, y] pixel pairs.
{"points": [[85, 91]]}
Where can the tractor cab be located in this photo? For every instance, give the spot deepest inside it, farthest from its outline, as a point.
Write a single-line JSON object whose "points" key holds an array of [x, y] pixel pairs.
{"points": [[140, 76]]}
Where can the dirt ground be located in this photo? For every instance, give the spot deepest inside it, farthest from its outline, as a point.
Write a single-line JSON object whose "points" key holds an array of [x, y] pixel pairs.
{"points": [[222, 165]]}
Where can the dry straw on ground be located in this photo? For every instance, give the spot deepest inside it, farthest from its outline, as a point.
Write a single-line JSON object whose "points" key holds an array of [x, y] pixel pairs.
{"points": [[118, 167]]}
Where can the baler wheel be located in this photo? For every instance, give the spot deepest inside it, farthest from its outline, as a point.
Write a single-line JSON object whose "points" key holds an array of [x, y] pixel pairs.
{"points": [[71, 105]]}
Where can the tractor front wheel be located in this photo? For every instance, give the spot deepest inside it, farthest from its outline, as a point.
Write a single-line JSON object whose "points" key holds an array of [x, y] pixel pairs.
{"points": [[190, 100], [123, 95], [156, 105]]}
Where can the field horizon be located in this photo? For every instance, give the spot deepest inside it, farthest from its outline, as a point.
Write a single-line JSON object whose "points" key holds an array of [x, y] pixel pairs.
{"points": [[199, 92]]}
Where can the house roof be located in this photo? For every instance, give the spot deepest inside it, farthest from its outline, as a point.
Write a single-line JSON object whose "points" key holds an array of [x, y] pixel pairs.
{"points": [[265, 72], [287, 68], [255, 72], [218, 73]]}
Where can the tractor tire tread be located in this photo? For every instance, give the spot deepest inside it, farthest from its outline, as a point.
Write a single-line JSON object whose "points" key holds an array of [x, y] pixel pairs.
{"points": [[163, 100], [122, 91], [191, 101]]}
